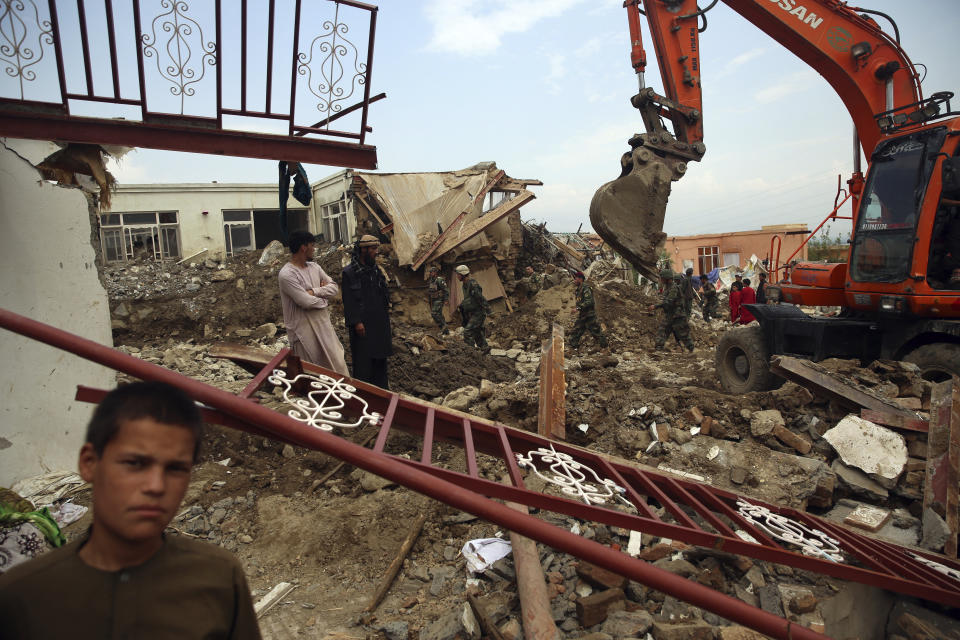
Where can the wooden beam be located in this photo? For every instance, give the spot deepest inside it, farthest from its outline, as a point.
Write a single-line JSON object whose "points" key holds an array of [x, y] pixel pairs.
{"points": [[941, 487], [551, 412], [497, 177], [363, 201], [824, 385], [895, 421], [467, 230]]}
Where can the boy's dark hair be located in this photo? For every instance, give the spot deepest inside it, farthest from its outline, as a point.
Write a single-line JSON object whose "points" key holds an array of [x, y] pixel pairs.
{"points": [[156, 400], [746, 282], [300, 238]]}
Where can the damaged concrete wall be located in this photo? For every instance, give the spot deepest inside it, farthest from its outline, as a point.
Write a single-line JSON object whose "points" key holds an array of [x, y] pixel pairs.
{"points": [[48, 273]]}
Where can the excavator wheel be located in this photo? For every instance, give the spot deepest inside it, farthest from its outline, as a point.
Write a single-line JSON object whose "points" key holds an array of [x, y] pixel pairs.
{"points": [[937, 361], [743, 361]]}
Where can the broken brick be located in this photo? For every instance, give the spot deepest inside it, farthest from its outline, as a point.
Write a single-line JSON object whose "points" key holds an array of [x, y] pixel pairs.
{"points": [[656, 552], [694, 415], [600, 577], [594, 608], [706, 425], [867, 517], [791, 439]]}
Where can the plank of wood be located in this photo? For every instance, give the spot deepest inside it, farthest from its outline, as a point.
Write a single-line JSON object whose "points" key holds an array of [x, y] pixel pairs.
{"points": [[895, 421], [825, 385], [468, 230], [276, 594], [551, 410]]}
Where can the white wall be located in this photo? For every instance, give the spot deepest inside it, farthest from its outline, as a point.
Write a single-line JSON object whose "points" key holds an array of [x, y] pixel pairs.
{"points": [[198, 231], [47, 273]]}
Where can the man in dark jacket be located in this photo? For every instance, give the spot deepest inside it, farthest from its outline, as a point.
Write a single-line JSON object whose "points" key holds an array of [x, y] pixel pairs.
{"points": [[762, 289], [366, 302]]}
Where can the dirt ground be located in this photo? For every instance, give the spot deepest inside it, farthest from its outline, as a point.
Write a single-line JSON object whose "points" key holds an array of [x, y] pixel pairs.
{"points": [[335, 539]]}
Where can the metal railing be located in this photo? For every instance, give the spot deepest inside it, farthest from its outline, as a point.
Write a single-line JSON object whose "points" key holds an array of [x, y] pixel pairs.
{"points": [[173, 62]]}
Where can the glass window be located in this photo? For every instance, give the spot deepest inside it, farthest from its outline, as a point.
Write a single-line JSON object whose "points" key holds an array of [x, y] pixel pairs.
{"points": [[168, 217], [885, 235], [236, 216], [113, 244], [140, 218], [241, 237], [110, 220]]}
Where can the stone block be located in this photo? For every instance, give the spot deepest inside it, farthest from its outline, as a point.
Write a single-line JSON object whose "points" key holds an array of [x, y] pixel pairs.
{"points": [[461, 399], [594, 608], [869, 447], [694, 415], [600, 577], [858, 483], [627, 624], [763, 422], [910, 403], [791, 439], [511, 630], [935, 531], [797, 599]]}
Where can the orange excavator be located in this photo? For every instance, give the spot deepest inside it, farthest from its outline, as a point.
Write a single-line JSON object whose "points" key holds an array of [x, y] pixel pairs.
{"points": [[900, 288]]}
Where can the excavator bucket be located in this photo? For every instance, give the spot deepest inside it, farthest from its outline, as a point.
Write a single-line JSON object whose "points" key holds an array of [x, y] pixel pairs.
{"points": [[628, 212]]}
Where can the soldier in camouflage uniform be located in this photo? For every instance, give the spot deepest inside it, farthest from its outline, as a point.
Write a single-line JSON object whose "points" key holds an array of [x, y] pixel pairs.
{"points": [[674, 312], [688, 291], [587, 318], [534, 282], [438, 294], [709, 302], [473, 309]]}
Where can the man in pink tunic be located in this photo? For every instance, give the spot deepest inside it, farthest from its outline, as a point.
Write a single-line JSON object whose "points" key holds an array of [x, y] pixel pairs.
{"points": [[304, 293]]}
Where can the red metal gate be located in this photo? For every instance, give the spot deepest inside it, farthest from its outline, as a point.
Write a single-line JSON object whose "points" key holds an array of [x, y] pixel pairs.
{"points": [[661, 505]]}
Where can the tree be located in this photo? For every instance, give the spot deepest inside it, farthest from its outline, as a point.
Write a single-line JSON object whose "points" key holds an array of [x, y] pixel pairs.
{"points": [[831, 248]]}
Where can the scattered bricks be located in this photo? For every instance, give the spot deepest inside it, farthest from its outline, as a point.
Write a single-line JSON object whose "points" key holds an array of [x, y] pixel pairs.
{"points": [[694, 415], [600, 577], [656, 552], [791, 439], [917, 448], [706, 425], [594, 608], [686, 631], [763, 422], [663, 432], [867, 517]]}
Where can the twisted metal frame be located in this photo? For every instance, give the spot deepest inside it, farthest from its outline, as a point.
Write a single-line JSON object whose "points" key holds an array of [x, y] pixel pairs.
{"points": [[323, 408], [329, 90], [15, 52], [573, 478]]}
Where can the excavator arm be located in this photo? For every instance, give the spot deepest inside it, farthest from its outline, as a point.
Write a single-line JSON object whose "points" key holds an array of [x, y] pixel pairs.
{"points": [[864, 65]]}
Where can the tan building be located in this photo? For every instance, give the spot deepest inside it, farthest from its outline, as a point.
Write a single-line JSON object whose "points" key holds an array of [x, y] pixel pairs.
{"points": [[710, 251]]}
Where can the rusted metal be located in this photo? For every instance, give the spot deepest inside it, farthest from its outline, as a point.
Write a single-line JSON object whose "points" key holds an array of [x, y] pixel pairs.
{"points": [[895, 421], [185, 138], [185, 41], [551, 414], [829, 387], [942, 478], [884, 564]]}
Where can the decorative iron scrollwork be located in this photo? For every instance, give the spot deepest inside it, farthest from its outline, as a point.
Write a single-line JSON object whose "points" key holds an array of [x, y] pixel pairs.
{"points": [[180, 26], [573, 478], [812, 542], [332, 50], [16, 27], [323, 407], [936, 566]]}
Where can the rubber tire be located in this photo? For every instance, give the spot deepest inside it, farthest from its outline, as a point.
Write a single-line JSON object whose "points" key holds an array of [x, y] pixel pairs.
{"points": [[743, 361], [936, 361]]}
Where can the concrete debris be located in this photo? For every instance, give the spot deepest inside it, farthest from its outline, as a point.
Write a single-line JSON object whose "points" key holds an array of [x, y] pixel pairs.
{"points": [[869, 447], [935, 530], [764, 422]]}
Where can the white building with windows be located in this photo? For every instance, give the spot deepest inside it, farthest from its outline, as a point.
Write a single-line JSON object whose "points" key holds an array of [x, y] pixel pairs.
{"points": [[179, 220]]}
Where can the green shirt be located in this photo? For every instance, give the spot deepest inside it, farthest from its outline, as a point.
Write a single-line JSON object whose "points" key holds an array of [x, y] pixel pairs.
{"points": [[188, 589], [437, 289], [473, 299], [584, 297]]}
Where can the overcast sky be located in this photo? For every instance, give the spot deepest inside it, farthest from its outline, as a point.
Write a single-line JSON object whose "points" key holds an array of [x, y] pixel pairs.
{"points": [[542, 87]]}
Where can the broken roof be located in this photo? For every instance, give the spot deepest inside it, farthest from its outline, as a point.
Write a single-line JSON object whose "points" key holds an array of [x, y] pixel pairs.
{"points": [[422, 206]]}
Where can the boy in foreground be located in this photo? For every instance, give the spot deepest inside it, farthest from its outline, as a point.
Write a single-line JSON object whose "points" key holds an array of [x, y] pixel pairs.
{"points": [[125, 578]]}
